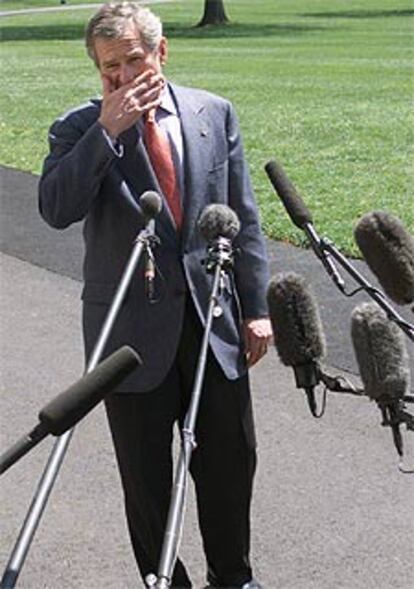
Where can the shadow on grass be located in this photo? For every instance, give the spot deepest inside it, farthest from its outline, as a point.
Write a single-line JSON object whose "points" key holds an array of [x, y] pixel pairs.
{"points": [[361, 13], [42, 32], [237, 30], [172, 30]]}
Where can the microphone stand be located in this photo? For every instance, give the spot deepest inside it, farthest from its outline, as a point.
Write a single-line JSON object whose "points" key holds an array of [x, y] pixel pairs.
{"points": [[143, 242], [326, 250], [219, 261], [392, 415]]}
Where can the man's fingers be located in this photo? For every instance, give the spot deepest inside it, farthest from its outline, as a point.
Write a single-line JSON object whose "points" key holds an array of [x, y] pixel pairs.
{"points": [[151, 105], [258, 335], [124, 106], [145, 78], [138, 105], [139, 85], [142, 83], [141, 90], [148, 99], [255, 352]]}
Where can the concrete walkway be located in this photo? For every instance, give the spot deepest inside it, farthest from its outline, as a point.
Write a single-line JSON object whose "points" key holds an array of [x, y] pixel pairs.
{"points": [[330, 508]]}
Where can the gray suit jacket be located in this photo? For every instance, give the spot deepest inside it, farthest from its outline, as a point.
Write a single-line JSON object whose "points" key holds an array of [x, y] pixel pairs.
{"points": [[83, 179]]}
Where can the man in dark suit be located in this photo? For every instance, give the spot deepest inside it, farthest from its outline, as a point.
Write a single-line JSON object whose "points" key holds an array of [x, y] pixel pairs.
{"points": [[101, 160]]}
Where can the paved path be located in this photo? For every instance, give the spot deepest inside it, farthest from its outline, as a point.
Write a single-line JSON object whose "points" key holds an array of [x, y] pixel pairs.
{"points": [[25, 236], [330, 508]]}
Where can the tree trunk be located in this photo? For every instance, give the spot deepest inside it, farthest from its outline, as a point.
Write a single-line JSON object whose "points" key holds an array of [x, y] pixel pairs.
{"points": [[214, 13]]}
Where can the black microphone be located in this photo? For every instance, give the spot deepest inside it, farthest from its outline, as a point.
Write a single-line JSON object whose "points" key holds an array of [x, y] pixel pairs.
{"points": [[219, 225], [151, 205], [298, 332], [388, 249], [383, 362], [292, 202], [65, 410], [70, 406], [218, 220], [301, 217]]}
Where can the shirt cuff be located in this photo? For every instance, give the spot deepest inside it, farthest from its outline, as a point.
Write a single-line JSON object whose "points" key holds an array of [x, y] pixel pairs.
{"points": [[116, 147]]}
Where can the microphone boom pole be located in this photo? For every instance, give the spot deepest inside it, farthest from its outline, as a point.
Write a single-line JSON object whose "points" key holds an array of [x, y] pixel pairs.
{"points": [[45, 486], [374, 293]]}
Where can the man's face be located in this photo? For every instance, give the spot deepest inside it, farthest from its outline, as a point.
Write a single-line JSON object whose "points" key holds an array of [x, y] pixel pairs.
{"points": [[121, 60]]}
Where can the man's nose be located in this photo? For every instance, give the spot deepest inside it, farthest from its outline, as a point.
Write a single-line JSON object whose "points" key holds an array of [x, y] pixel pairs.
{"points": [[126, 73]]}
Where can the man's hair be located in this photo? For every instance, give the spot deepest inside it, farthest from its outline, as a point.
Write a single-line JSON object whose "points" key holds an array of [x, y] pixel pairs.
{"points": [[111, 20]]}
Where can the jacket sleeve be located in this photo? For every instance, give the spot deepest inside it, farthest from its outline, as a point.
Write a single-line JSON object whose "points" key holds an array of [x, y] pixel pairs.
{"points": [[80, 156], [251, 267]]}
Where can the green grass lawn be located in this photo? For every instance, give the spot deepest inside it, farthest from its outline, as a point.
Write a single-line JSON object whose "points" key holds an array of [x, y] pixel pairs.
{"points": [[325, 87], [21, 4]]}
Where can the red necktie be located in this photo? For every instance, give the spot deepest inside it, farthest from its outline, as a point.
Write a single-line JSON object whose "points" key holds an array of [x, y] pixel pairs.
{"points": [[159, 152]]}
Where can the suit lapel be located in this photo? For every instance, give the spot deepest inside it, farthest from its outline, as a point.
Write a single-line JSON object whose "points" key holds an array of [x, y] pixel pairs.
{"points": [[137, 171], [197, 147]]}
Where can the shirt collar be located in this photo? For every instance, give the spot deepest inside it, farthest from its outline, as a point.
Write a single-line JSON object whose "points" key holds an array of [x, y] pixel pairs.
{"points": [[167, 102]]}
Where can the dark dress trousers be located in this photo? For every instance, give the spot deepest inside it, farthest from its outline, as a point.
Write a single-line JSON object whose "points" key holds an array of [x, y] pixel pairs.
{"points": [[85, 179]]}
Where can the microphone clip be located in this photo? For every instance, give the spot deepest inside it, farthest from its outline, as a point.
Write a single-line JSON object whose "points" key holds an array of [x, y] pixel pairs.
{"points": [[340, 384], [322, 248], [310, 375], [151, 269], [219, 253], [393, 415], [149, 241]]}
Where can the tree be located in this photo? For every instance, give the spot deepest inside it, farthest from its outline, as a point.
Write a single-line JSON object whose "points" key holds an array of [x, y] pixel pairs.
{"points": [[214, 13]]}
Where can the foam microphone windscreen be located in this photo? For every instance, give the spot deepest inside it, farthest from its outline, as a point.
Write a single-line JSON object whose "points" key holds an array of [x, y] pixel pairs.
{"points": [[293, 203], [295, 318], [150, 203], [380, 353], [65, 410], [388, 249], [218, 220]]}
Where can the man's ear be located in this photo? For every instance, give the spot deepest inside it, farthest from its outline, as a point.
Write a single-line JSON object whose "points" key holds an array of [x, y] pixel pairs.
{"points": [[163, 51]]}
